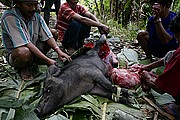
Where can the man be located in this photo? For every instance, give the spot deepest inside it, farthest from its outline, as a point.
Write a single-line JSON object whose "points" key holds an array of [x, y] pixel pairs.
{"points": [[74, 24], [27, 38], [47, 8], [158, 39], [169, 80]]}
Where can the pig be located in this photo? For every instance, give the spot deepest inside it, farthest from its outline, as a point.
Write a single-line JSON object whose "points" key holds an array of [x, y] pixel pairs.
{"points": [[85, 74]]}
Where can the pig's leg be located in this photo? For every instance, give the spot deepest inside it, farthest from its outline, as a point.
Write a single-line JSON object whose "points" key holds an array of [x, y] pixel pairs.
{"points": [[99, 90], [54, 70], [104, 82]]}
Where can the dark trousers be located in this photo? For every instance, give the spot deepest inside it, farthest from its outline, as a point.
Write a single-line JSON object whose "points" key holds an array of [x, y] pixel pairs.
{"points": [[75, 35], [47, 9]]}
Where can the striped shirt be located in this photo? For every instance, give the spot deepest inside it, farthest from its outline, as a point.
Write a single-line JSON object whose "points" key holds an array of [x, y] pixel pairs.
{"points": [[16, 32], [65, 16]]}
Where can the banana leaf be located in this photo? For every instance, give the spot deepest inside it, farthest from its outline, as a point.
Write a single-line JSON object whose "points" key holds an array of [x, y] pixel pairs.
{"points": [[16, 93], [58, 117], [25, 113], [127, 57], [126, 112]]}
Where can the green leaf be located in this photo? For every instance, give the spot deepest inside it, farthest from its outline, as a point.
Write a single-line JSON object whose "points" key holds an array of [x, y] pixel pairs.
{"points": [[145, 62], [35, 82], [57, 117], [86, 105], [90, 99], [129, 111], [121, 115], [25, 113], [162, 98], [11, 114], [3, 113], [10, 102], [128, 56], [159, 70]]}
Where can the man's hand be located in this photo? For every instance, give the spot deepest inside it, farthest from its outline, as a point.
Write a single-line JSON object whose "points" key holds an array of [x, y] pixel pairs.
{"points": [[146, 68], [104, 29], [63, 55], [147, 79], [156, 11], [50, 62]]}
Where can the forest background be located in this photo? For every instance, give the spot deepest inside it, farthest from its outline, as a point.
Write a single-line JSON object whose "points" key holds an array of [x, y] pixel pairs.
{"points": [[125, 17]]}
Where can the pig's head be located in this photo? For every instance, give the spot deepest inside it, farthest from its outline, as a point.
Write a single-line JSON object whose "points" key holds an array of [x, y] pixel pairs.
{"points": [[107, 55], [52, 93], [111, 60]]}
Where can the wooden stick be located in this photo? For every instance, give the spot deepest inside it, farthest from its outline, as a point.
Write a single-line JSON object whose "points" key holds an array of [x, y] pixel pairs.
{"points": [[158, 109], [104, 111], [155, 116]]}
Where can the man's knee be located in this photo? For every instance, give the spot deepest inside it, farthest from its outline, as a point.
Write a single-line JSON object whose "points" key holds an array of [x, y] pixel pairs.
{"points": [[21, 51], [142, 35], [20, 57], [54, 33], [75, 23]]}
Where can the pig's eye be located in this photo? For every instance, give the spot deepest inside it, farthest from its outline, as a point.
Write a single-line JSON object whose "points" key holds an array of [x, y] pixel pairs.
{"points": [[48, 90]]}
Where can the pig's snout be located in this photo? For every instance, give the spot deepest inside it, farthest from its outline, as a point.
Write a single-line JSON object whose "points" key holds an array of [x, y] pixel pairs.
{"points": [[38, 112], [114, 62], [40, 109]]}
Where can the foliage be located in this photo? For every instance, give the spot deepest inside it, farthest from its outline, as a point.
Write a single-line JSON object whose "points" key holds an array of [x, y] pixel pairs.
{"points": [[125, 34], [89, 4], [176, 6]]}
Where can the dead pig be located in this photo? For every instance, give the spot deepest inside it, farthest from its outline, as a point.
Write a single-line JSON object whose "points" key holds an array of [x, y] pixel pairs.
{"points": [[85, 74]]}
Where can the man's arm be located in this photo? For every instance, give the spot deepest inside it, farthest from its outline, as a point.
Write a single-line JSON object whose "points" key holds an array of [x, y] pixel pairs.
{"points": [[91, 16], [163, 35], [151, 66], [52, 43], [87, 20], [35, 51], [92, 21]]}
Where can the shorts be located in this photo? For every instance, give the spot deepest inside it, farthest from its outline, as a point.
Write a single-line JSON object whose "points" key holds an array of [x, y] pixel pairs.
{"points": [[160, 50]]}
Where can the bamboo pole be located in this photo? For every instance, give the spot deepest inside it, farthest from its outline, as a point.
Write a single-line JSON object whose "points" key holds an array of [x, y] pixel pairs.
{"points": [[104, 111], [158, 109]]}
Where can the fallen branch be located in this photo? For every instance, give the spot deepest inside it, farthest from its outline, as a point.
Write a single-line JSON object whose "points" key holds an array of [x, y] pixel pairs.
{"points": [[155, 116], [158, 109], [104, 111]]}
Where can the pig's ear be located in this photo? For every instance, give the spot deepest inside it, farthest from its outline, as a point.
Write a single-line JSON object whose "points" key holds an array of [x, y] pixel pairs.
{"points": [[101, 40], [54, 71]]}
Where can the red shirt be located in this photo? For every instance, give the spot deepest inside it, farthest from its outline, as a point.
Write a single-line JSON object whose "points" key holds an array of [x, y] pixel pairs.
{"points": [[169, 80], [65, 16]]}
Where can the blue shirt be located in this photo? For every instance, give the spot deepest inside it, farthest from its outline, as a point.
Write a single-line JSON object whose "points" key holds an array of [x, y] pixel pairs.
{"points": [[156, 47]]}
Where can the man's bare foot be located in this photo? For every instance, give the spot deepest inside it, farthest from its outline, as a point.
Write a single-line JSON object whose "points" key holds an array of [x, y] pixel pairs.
{"points": [[26, 74]]}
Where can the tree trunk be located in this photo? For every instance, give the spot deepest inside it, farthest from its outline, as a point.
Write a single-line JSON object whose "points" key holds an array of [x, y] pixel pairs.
{"points": [[116, 10], [97, 8], [111, 8], [102, 8]]}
